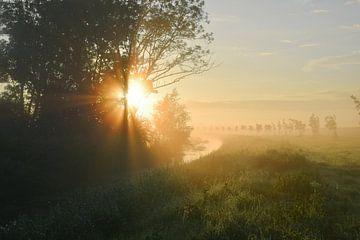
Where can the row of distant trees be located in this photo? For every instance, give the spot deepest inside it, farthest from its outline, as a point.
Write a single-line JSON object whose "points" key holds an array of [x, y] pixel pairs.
{"points": [[290, 126], [357, 103], [286, 127]]}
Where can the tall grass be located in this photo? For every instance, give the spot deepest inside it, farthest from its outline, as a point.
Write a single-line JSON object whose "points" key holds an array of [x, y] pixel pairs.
{"points": [[268, 190]]}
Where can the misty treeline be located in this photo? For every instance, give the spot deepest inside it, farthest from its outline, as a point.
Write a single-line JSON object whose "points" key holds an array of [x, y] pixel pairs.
{"points": [[283, 127], [357, 103], [61, 61]]}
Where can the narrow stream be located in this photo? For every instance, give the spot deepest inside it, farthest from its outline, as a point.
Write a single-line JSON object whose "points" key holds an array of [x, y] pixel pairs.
{"points": [[209, 144]]}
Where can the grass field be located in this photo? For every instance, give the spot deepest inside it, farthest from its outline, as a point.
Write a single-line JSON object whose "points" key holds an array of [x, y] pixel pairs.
{"points": [[253, 187]]}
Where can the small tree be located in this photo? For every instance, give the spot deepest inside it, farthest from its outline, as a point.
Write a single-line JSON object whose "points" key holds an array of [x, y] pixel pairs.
{"points": [[287, 127], [273, 127], [357, 103], [268, 128], [314, 123], [279, 127], [259, 128], [172, 130], [331, 124], [298, 126]]}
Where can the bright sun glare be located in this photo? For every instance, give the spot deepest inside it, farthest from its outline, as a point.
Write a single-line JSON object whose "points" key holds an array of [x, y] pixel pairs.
{"points": [[140, 99]]}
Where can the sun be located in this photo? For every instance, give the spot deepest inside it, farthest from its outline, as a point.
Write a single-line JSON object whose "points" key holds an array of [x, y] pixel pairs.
{"points": [[136, 94], [139, 99]]}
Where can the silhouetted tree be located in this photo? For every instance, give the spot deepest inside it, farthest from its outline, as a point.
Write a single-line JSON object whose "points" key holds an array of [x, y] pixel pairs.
{"points": [[62, 48], [298, 126], [285, 127], [273, 127], [357, 103], [290, 127], [331, 124], [172, 130], [259, 128], [164, 45], [58, 49], [279, 127], [314, 123], [268, 128]]}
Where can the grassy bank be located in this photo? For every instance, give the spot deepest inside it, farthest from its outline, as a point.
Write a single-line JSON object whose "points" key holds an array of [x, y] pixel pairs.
{"points": [[251, 188]]}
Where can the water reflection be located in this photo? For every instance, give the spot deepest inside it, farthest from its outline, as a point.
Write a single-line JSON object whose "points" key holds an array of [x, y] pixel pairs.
{"points": [[205, 146]]}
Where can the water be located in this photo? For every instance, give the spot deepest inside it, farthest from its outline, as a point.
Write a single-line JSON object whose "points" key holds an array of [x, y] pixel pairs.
{"points": [[209, 144]]}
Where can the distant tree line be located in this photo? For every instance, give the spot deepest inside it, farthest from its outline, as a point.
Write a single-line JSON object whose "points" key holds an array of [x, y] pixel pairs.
{"points": [[357, 103], [284, 127]]}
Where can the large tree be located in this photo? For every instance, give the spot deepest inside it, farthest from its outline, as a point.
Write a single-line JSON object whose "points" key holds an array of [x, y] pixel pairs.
{"points": [[61, 49], [165, 45], [58, 49]]}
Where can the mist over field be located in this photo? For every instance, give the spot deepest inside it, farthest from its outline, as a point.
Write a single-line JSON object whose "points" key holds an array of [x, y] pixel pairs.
{"points": [[179, 119], [270, 111]]}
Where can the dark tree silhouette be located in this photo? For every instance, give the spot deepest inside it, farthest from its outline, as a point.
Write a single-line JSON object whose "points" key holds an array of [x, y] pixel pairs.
{"points": [[268, 128], [314, 123], [59, 49], [357, 103], [58, 58], [279, 127], [172, 130], [331, 124], [273, 127], [259, 128], [298, 126]]}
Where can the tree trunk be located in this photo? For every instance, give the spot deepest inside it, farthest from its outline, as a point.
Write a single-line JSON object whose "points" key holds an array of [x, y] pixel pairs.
{"points": [[125, 126], [22, 101], [123, 76]]}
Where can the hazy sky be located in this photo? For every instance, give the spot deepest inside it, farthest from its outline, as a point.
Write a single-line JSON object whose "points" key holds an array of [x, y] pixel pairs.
{"points": [[282, 50], [278, 59]]}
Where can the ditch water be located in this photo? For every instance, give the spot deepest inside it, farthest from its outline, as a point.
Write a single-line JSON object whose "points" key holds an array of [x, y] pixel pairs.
{"points": [[207, 145]]}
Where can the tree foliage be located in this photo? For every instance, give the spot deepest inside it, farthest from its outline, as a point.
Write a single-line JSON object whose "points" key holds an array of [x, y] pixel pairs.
{"points": [[57, 51], [298, 126], [357, 103], [58, 59], [172, 130], [314, 123], [331, 124], [60, 52], [164, 46]]}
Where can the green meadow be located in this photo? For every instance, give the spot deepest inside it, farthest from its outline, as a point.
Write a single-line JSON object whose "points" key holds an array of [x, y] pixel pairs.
{"points": [[101, 138], [253, 187]]}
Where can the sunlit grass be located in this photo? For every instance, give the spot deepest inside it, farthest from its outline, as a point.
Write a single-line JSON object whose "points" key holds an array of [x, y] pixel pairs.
{"points": [[252, 188]]}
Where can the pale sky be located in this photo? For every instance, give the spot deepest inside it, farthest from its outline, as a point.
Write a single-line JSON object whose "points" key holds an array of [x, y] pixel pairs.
{"points": [[277, 50], [278, 59]]}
